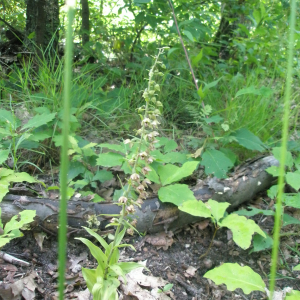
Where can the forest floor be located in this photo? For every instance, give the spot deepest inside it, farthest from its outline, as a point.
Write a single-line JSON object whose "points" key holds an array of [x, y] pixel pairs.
{"points": [[176, 262]]}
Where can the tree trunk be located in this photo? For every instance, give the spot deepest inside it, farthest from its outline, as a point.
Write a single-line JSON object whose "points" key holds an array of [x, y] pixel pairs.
{"points": [[228, 23], [85, 22], [153, 216], [42, 19]]}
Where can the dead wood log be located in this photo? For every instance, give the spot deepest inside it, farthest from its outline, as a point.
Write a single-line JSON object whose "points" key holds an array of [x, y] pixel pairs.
{"points": [[154, 216]]}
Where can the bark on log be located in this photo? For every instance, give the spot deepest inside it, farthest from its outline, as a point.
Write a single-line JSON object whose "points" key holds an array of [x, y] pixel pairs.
{"points": [[154, 216]]}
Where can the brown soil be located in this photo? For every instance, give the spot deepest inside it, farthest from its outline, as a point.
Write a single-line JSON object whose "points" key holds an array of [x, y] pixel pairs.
{"points": [[173, 264]]}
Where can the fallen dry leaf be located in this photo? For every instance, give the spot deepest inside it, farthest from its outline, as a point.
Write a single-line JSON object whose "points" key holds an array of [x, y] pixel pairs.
{"points": [[190, 272], [136, 280], [39, 237], [160, 240]]}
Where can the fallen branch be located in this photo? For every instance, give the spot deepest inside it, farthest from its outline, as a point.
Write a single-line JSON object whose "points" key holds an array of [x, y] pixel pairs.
{"points": [[154, 216]]}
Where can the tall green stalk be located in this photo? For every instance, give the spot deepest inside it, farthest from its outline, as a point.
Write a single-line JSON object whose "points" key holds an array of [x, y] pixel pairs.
{"points": [[285, 129], [62, 234]]}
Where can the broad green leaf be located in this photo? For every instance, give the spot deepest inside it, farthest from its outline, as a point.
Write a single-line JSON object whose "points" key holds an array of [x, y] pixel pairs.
{"points": [[96, 197], [214, 119], [75, 169], [170, 145], [129, 266], [39, 136], [216, 163], [152, 175], [217, 208], [103, 175], [195, 208], [170, 173], [26, 217], [242, 229], [273, 191], [254, 211], [90, 277], [235, 276], [211, 84], [248, 140], [175, 157], [230, 154], [109, 289], [5, 172], [293, 295], [39, 120], [3, 156], [292, 200], [3, 188], [257, 16], [89, 145], [288, 158], [4, 241], [197, 58], [120, 236], [5, 132], [96, 252], [120, 148], [188, 35], [110, 159], [293, 179], [171, 51], [261, 243], [296, 268], [115, 256], [273, 170], [6, 116], [119, 272], [19, 177], [176, 194], [97, 237], [288, 220]]}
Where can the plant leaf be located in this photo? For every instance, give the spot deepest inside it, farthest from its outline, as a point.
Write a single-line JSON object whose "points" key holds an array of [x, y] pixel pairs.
{"points": [[217, 208], [242, 229], [293, 179], [235, 276], [96, 252], [176, 194], [110, 159], [288, 220], [170, 173], [39, 120], [288, 159], [3, 156], [261, 243], [195, 208], [120, 148], [216, 163], [248, 140], [6, 116], [103, 175], [97, 237], [26, 217], [19, 177], [254, 211]]}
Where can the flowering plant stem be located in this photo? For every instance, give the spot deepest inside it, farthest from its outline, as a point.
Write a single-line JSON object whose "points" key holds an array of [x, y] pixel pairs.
{"points": [[126, 193]]}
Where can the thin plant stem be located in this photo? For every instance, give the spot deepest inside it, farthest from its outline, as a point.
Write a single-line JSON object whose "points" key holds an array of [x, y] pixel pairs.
{"points": [[185, 51], [62, 234], [203, 255], [126, 192], [285, 128]]}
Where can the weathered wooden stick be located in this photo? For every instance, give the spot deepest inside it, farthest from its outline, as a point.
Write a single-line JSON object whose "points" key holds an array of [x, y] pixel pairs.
{"points": [[154, 216]]}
